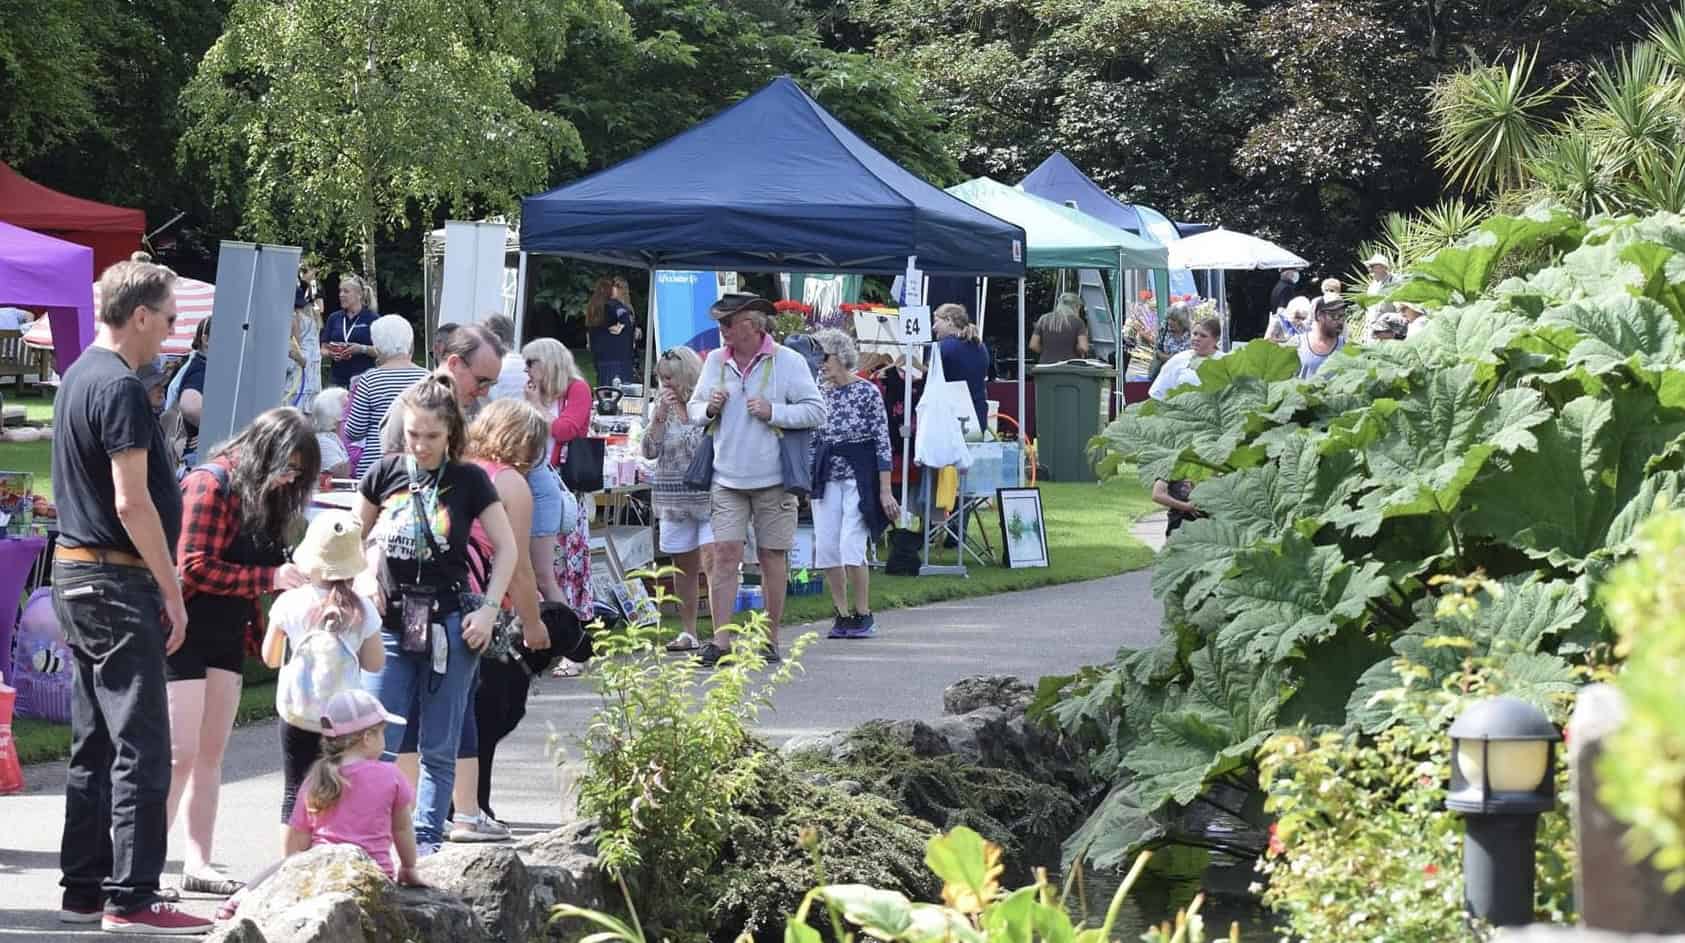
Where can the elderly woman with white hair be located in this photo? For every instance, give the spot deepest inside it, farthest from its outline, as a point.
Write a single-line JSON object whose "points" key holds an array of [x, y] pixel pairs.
{"points": [[374, 390], [853, 501], [327, 410]]}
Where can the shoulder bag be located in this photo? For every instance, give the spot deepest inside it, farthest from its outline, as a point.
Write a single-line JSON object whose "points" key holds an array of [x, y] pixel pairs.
{"points": [[699, 476]]}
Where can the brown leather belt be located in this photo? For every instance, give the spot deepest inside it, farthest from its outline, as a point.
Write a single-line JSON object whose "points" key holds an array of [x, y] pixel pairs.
{"points": [[98, 555]]}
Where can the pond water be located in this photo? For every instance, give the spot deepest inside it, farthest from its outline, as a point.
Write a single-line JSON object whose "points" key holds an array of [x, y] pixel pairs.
{"points": [[1156, 898]]}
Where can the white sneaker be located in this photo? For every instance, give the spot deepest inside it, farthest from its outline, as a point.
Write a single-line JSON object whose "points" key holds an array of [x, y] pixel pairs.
{"points": [[478, 828]]}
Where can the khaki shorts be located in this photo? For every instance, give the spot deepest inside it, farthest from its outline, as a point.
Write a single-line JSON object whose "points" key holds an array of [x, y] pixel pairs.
{"points": [[772, 509]]}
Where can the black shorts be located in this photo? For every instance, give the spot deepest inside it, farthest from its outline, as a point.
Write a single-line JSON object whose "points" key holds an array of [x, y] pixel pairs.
{"points": [[207, 646]]}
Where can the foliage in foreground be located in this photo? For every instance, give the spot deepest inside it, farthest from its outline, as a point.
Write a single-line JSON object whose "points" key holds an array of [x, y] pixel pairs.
{"points": [[1525, 435], [669, 758], [974, 909], [1643, 763], [1363, 846]]}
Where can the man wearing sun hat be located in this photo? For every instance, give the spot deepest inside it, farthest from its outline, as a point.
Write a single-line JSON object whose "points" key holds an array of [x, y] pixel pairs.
{"points": [[750, 389], [1381, 276]]}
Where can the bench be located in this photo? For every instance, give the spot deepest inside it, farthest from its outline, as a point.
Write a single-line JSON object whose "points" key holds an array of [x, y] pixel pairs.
{"points": [[19, 360]]}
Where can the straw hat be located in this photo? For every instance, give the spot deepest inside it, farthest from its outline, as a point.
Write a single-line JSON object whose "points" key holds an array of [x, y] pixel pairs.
{"points": [[332, 547]]}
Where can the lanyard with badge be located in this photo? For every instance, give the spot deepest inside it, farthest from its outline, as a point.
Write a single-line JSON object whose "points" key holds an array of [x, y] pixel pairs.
{"points": [[420, 600]]}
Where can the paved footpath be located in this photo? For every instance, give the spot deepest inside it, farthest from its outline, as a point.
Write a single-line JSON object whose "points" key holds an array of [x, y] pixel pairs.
{"points": [[899, 674]]}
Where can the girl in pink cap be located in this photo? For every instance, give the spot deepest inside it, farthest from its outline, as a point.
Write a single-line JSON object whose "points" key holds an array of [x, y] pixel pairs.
{"points": [[351, 797]]}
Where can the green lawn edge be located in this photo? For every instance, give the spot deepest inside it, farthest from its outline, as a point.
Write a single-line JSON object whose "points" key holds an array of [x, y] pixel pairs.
{"points": [[1088, 538]]}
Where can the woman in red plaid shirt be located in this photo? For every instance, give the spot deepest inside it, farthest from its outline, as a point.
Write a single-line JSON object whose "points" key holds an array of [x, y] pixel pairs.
{"points": [[237, 510]]}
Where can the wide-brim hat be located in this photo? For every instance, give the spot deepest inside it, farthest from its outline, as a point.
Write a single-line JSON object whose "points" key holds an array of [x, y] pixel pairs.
{"points": [[731, 304], [333, 547], [1378, 259]]}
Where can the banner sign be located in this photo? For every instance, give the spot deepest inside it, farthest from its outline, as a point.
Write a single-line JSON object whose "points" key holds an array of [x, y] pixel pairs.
{"points": [[682, 300], [474, 279], [251, 321]]}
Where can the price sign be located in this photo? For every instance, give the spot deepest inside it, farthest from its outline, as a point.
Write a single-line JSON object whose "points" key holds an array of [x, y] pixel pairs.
{"points": [[915, 324], [912, 283]]}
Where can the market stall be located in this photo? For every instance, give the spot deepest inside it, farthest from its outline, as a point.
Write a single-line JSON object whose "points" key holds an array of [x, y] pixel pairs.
{"points": [[1059, 237], [773, 183], [111, 231], [39, 272]]}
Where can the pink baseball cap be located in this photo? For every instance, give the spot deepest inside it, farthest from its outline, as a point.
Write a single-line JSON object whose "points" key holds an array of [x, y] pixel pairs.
{"points": [[350, 711]]}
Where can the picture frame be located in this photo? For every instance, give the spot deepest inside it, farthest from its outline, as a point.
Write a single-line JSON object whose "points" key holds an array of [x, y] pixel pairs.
{"points": [[1023, 529]]}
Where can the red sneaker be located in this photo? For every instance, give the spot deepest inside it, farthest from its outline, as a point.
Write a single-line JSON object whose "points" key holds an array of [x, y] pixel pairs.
{"points": [[159, 918]]}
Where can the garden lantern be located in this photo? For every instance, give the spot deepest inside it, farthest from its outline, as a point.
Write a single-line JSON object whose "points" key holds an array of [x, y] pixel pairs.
{"points": [[1502, 776]]}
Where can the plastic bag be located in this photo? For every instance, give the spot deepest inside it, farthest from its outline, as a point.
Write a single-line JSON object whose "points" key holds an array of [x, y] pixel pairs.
{"points": [[939, 440], [11, 774]]}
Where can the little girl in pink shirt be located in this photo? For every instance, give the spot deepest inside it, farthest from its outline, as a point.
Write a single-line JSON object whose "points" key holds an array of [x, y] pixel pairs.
{"points": [[351, 797]]}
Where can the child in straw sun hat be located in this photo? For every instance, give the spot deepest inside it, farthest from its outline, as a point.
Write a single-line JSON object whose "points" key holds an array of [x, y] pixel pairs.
{"points": [[322, 636]]}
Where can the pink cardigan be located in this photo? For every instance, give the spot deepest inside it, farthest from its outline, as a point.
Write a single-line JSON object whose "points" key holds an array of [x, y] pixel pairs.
{"points": [[573, 418]]}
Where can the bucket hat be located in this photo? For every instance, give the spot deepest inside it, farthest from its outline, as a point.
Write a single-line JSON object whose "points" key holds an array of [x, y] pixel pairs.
{"points": [[333, 547]]}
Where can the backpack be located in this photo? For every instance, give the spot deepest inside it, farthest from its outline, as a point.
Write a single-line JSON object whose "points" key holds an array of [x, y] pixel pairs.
{"points": [[322, 665]]}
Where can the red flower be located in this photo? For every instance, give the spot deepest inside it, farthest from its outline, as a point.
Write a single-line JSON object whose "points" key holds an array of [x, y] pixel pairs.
{"points": [[1146, 295], [1431, 870], [1277, 846], [789, 305]]}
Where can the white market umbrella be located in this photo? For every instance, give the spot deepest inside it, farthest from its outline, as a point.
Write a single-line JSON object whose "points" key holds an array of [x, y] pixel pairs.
{"points": [[1227, 249]]}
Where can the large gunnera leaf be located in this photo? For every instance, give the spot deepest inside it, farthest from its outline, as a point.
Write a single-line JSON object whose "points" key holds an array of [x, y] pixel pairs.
{"points": [[1616, 330], [1116, 830], [1229, 708], [1290, 492], [1434, 443], [1283, 598]]}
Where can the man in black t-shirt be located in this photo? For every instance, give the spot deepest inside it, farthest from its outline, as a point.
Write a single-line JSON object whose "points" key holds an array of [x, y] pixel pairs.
{"points": [[117, 599]]}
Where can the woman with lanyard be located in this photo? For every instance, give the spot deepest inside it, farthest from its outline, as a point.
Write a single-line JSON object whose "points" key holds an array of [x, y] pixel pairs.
{"points": [[417, 508], [345, 337]]}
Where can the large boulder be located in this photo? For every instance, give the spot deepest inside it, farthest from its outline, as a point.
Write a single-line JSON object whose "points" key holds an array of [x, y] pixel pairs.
{"points": [[492, 881], [438, 916], [238, 930], [327, 918], [328, 871], [1010, 694], [562, 865]]}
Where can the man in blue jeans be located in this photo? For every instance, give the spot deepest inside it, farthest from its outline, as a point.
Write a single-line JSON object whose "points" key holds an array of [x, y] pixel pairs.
{"points": [[116, 596]]}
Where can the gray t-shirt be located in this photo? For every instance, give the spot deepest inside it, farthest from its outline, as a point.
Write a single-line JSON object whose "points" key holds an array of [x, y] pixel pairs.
{"points": [[1309, 360]]}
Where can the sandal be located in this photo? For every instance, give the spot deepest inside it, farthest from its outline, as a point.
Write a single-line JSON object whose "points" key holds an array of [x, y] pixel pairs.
{"points": [[567, 669], [218, 886], [686, 642]]}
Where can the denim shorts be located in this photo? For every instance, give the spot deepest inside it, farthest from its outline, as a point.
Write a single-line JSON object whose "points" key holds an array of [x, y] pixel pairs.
{"points": [[546, 501]]}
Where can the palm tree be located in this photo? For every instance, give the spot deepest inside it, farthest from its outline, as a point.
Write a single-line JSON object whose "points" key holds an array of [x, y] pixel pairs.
{"points": [[1489, 123]]}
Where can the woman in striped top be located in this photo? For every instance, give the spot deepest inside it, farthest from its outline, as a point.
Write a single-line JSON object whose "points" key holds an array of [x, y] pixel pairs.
{"points": [[374, 390]]}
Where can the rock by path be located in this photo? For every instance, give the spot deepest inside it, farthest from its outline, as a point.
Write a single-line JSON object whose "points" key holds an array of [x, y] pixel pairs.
{"points": [[900, 674]]}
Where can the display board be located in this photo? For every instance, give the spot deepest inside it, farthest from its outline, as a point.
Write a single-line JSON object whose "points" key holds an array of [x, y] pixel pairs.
{"points": [[473, 285], [251, 321]]}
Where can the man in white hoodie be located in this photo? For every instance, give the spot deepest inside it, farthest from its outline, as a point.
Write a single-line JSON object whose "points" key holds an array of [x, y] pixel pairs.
{"points": [[750, 390]]}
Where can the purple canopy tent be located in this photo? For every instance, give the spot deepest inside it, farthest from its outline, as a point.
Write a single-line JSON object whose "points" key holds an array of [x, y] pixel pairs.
{"points": [[38, 272]]}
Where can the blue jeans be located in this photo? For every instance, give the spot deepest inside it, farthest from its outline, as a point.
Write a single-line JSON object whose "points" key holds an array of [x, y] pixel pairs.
{"points": [[119, 771], [434, 705]]}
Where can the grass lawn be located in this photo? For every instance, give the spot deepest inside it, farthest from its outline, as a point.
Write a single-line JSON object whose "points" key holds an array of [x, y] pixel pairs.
{"points": [[1087, 538], [39, 741]]}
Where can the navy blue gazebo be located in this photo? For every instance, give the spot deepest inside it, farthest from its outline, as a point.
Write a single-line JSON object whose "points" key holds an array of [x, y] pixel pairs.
{"points": [[773, 183]]}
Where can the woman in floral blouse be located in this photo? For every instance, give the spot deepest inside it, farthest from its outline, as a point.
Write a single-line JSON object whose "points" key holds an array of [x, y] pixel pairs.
{"points": [[852, 498], [672, 441]]}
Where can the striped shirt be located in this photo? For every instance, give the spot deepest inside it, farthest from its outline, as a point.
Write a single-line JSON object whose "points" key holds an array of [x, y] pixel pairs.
{"points": [[372, 394]]}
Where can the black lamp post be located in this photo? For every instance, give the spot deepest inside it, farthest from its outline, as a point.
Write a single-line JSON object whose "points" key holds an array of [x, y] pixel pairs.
{"points": [[1502, 777]]}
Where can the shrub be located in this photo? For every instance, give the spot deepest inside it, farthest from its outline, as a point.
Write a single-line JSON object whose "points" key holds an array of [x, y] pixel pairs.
{"points": [[669, 758]]}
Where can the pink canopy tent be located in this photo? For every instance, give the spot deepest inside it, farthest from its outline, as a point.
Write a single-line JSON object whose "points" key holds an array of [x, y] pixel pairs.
{"points": [[39, 272], [194, 299]]}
